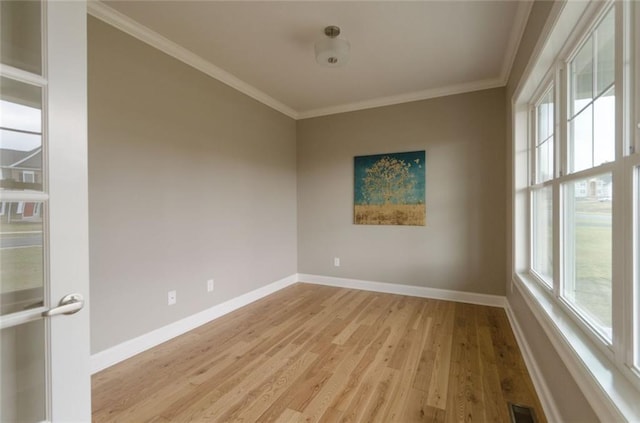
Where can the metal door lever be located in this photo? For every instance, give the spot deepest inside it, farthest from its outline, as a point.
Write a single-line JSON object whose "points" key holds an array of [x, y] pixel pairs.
{"points": [[69, 304]]}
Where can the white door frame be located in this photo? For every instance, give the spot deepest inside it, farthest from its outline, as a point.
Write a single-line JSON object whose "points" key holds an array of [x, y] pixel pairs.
{"points": [[69, 344]]}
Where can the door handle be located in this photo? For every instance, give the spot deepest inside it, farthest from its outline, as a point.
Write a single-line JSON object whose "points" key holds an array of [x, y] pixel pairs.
{"points": [[69, 304]]}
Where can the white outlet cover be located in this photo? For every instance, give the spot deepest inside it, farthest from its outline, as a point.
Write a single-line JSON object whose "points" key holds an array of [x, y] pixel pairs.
{"points": [[172, 298], [210, 285], [336, 261]]}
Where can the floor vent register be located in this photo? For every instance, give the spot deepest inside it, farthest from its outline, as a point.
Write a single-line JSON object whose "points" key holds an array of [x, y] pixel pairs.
{"points": [[521, 414]]}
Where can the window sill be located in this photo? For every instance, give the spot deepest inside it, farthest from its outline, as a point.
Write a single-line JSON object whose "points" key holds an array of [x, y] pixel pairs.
{"points": [[612, 396]]}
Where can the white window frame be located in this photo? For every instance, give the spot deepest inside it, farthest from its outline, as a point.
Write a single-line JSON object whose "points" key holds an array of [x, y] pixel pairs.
{"points": [[607, 373], [548, 84], [633, 242], [559, 74], [28, 176]]}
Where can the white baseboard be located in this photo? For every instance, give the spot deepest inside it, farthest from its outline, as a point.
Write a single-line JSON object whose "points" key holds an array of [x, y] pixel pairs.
{"points": [[546, 397], [120, 352], [127, 349], [414, 291]]}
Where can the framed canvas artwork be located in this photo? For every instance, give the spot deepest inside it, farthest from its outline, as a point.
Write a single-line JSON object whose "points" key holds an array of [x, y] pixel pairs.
{"points": [[389, 189]]}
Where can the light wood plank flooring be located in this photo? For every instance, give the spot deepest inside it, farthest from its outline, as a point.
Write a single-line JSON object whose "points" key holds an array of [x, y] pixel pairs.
{"points": [[313, 353]]}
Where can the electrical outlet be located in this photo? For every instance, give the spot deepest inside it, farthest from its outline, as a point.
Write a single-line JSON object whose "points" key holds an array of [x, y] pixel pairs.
{"points": [[210, 285], [172, 299], [336, 261]]}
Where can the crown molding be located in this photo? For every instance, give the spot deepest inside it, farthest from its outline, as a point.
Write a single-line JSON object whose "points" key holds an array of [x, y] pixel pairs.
{"points": [[122, 22], [405, 98], [101, 11], [515, 37]]}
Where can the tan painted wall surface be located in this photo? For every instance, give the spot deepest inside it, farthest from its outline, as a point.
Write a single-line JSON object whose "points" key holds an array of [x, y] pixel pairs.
{"points": [[188, 180], [462, 247]]}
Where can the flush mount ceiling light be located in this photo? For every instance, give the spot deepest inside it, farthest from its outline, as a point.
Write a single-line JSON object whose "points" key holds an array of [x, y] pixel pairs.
{"points": [[332, 51]]}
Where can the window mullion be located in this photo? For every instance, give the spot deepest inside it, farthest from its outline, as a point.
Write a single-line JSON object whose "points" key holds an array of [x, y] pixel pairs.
{"points": [[561, 115], [562, 84], [623, 213], [533, 149], [594, 90], [633, 241], [533, 118], [623, 249], [557, 239], [620, 285]]}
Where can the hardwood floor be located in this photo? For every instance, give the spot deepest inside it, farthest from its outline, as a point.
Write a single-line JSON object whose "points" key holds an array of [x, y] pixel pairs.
{"points": [[312, 353]]}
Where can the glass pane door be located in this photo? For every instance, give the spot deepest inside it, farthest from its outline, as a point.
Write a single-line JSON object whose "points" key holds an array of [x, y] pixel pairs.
{"points": [[21, 222], [22, 215], [22, 358], [43, 360], [21, 35]]}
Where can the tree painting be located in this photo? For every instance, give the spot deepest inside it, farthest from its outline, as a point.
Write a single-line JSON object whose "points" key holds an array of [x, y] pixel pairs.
{"points": [[389, 189], [388, 181]]}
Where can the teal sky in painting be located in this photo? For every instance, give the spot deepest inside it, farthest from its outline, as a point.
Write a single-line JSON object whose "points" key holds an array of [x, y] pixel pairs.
{"points": [[417, 171]]}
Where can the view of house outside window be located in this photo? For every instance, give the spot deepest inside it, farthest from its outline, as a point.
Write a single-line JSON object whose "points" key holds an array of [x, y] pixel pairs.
{"points": [[587, 247], [586, 191], [21, 222]]}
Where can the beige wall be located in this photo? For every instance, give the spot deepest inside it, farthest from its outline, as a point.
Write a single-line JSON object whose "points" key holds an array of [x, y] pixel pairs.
{"points": [[188, 180], [571, 404], [462, 247]]}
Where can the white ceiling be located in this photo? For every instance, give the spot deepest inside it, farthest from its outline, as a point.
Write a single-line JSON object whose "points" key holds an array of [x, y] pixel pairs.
{"points": [[400, 51]]}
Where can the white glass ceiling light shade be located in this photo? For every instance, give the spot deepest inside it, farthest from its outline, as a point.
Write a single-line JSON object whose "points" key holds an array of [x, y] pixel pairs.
{"points": [[332, 51]]}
